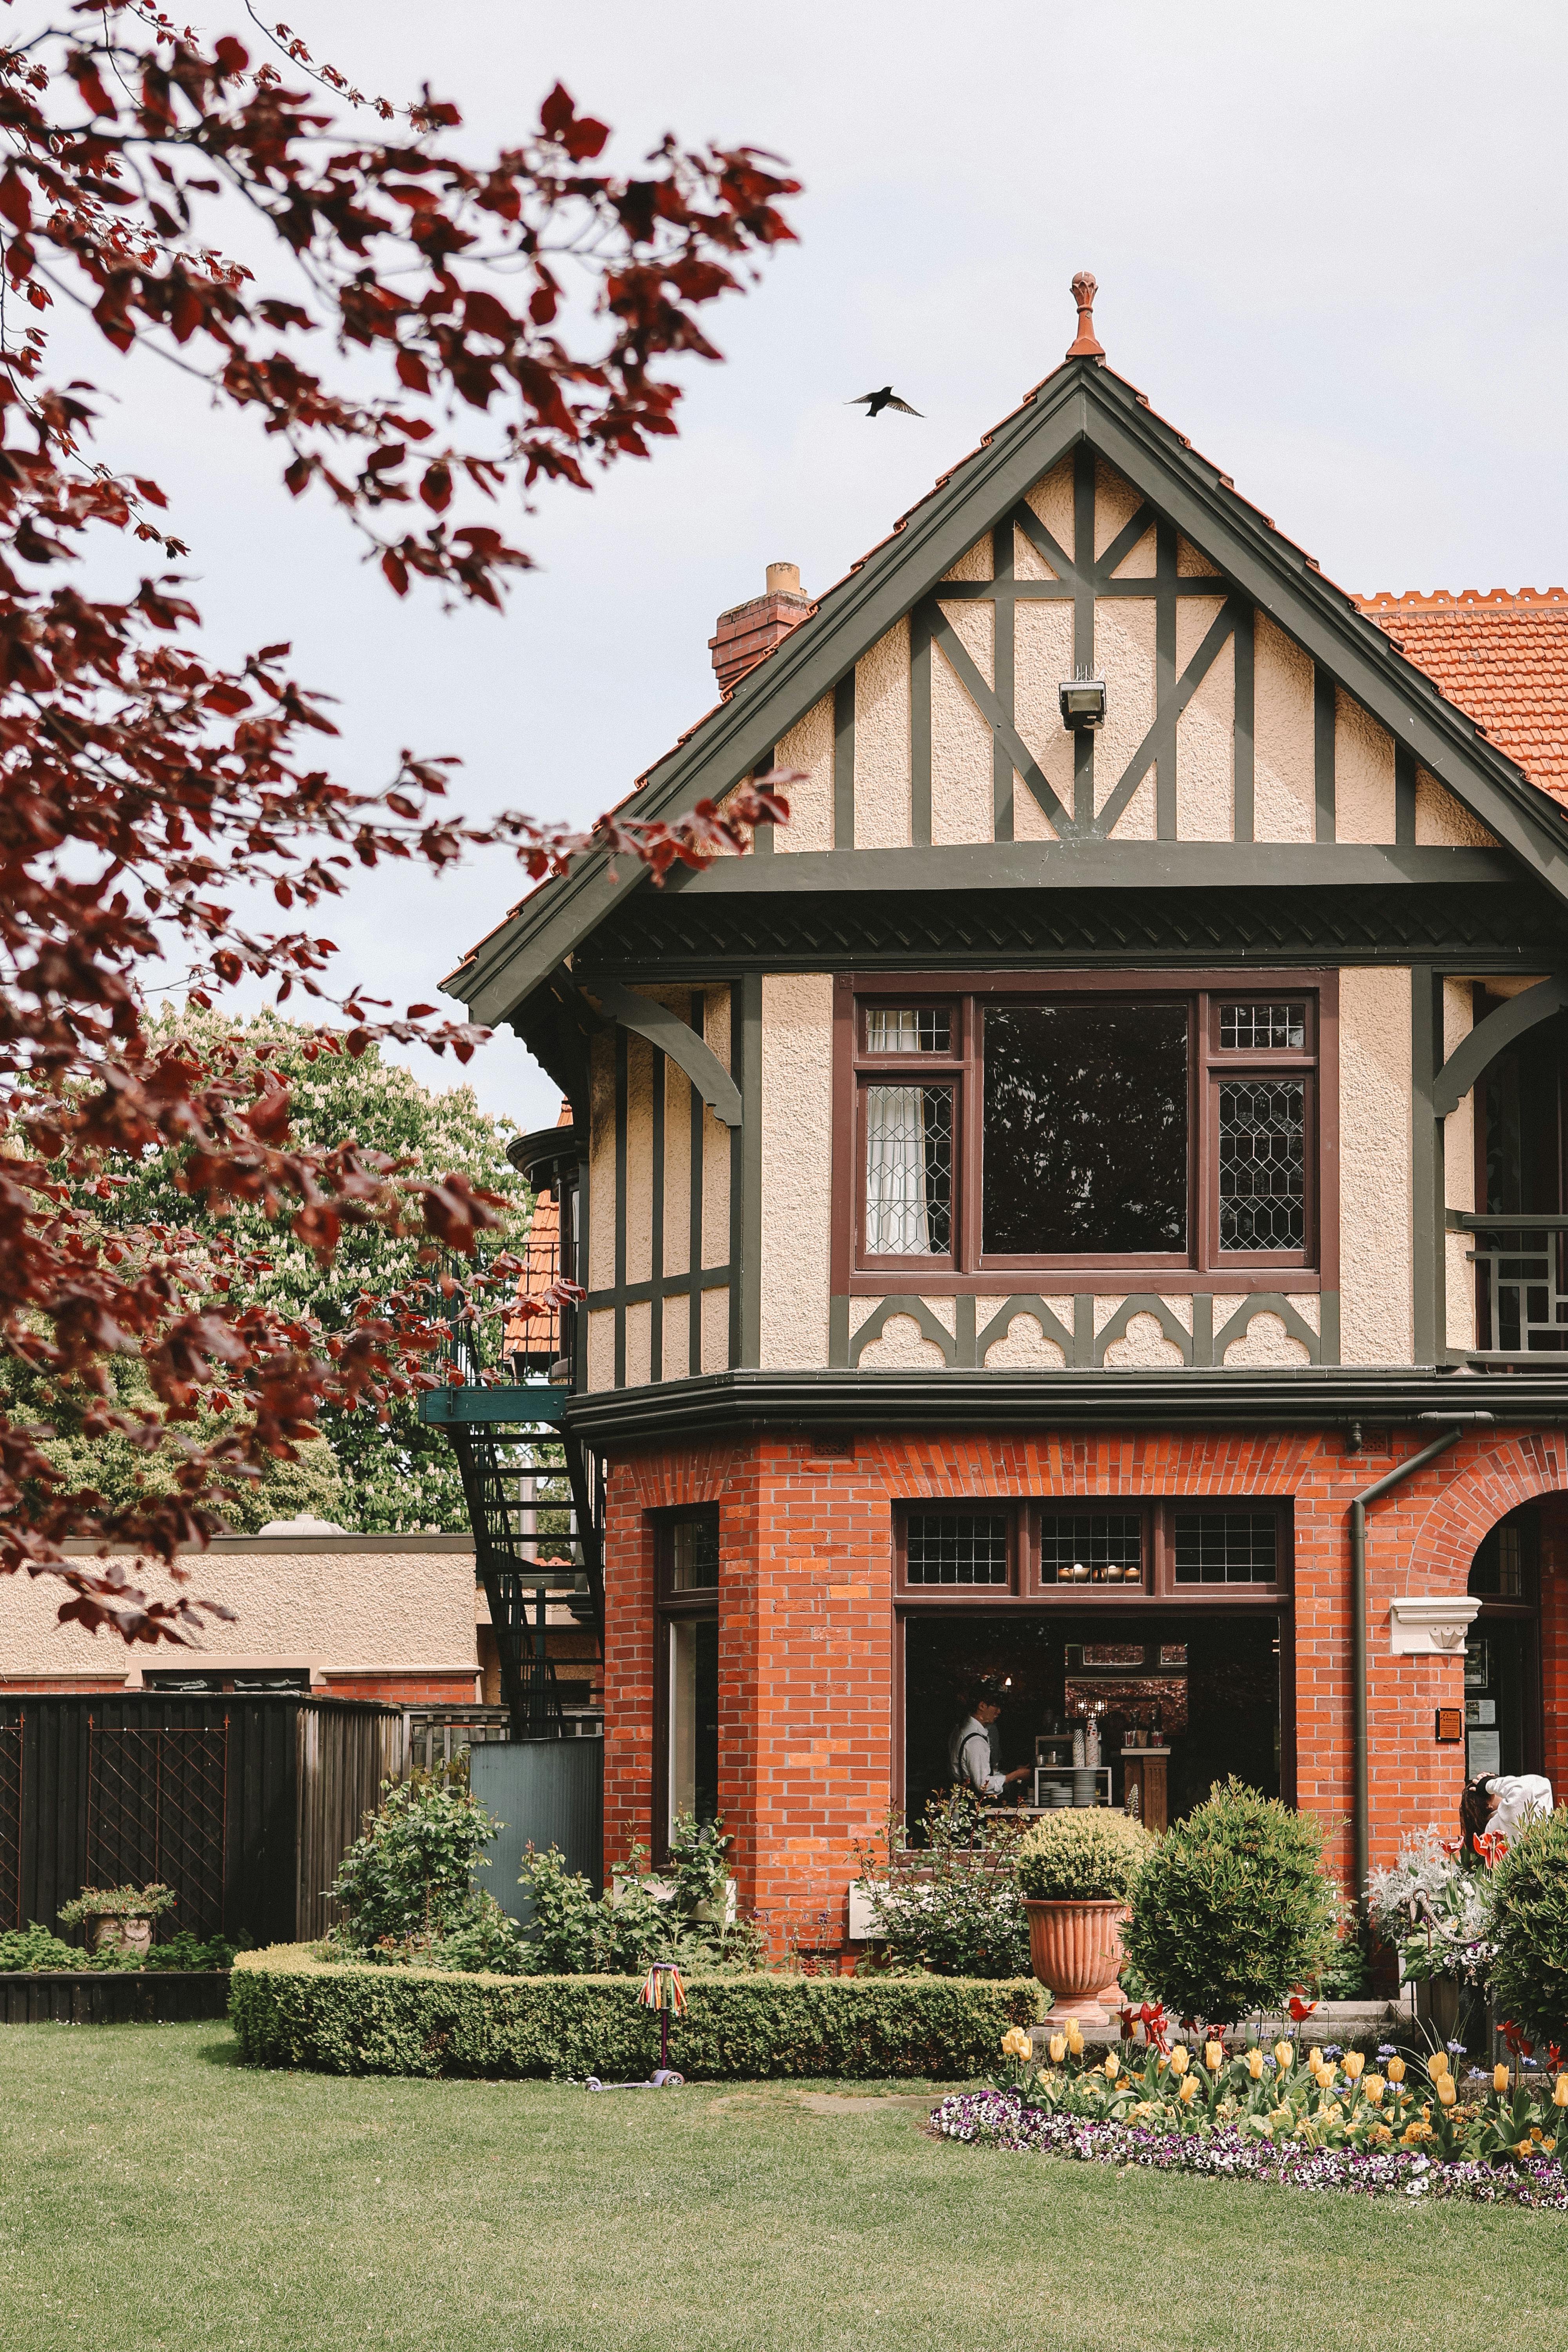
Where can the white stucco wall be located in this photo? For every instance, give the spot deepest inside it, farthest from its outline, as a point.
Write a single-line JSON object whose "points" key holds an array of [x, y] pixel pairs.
{"points": [[395, 1605], [1205, 731], [962, 801], [1364, 774], [1444, 823], [808, 750], [1283, 793], [1376, 1302], [882, 743], [797, 1168]]}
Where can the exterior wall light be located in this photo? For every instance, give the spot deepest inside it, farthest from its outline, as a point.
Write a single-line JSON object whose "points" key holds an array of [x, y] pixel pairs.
{"points": [[1083, 703]]}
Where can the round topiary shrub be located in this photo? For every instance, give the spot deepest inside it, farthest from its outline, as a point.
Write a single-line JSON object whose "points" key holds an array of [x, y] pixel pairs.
{"points": [[1093, 1856], [1234, 1909], [1529, 1891]]}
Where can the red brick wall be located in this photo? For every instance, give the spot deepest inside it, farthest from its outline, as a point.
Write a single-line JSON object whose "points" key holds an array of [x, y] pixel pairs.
{"points": [[807, 1616]]}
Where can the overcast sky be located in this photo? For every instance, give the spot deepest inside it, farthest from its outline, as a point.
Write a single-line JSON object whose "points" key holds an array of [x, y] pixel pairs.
{"points": [[1329, 248]]}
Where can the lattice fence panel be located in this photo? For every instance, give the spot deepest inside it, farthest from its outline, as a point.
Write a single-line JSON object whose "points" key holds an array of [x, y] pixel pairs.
{"points": [[10, 1825], [155, 1808]]}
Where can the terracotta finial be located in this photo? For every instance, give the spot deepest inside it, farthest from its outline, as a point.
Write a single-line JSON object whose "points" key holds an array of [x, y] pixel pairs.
{"points": [[1085, 344]]}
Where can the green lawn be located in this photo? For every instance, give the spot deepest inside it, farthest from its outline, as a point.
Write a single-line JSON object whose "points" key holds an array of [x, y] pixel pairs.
{"points": [[156, 2193]]}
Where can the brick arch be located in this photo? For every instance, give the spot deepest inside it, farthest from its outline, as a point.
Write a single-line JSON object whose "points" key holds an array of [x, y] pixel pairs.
{"points": [[1495, 1479]]}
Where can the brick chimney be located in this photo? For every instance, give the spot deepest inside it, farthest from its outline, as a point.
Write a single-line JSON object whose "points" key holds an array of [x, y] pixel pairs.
{"points": [[747, 632]]}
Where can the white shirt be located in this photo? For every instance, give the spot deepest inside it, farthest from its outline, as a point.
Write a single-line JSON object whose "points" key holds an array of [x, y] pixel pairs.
{"points": [[1520, 1796], [969, 1757]]}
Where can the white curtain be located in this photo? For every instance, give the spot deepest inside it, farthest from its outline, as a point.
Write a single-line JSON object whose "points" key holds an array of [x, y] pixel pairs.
{"points": [[898, 1221]]}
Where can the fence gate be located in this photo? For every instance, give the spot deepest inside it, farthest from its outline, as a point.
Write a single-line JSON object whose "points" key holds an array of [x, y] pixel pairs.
{"points": [[11, 1824], [156, 1802]]}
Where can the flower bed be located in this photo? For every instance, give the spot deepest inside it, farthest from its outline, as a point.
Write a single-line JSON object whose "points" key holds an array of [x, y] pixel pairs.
{"points": [[1002, 2119]]}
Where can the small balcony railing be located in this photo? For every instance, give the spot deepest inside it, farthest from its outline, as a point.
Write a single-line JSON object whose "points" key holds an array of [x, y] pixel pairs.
{"points": [[1521, 1286]]}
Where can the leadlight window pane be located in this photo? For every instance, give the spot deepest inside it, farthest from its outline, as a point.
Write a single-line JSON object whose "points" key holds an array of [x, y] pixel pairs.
{"points": [[1091, 1547], [1262, 1164], [1086, 1129], [694, 1555], [908, 1029], [957, 1548], [1263, 1028], [909, 1171], [1226, 1547]]}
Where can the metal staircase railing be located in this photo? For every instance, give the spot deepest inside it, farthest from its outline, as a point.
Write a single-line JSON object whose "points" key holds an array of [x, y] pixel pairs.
{"points": [[535, 1497]]}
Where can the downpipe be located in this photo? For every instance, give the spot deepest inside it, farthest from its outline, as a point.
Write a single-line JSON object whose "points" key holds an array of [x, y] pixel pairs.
{"points": [[1454, 1426]]}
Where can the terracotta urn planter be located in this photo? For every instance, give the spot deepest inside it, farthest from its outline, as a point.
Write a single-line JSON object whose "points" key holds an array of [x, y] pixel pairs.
{"points": [[113, 1931], [1074, 1949]]}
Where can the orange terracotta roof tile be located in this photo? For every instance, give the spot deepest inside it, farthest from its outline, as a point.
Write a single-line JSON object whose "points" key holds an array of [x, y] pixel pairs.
{"points": [[1500, 657]]}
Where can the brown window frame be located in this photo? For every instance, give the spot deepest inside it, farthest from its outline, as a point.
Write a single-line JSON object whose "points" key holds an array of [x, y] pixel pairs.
{"points": [[1158, 1590], [1204, 1266], [670, 1608]]}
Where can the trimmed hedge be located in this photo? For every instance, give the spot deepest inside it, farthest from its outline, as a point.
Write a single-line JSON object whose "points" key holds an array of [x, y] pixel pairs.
{"points": [[289, 2009]]}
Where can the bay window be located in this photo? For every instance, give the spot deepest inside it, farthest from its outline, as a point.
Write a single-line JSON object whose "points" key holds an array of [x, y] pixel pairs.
{"points": [[1122, 1125]]}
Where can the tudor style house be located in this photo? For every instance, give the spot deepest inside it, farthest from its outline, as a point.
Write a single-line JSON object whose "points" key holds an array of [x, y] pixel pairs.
{"points": [[1082, 1206]]}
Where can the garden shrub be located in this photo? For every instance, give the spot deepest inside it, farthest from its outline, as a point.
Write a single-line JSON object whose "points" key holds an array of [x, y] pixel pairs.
{"points": [[1233, 1910], [410, 1879], [571, 1931], [33, 1949], [290, 2009], [1093, 1855], [1530, 1931], [952, 1903]]}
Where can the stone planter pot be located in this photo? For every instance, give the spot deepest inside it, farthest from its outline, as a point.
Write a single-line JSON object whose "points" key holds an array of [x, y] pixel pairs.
{"points": [[1075, 1950], [111, 1932]]}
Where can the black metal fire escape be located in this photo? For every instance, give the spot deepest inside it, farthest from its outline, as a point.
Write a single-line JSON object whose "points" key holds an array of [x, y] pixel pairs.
{"points": [[533, 1492]]}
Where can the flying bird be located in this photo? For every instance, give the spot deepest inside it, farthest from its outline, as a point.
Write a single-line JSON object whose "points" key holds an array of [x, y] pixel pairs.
{"points": [[873, 403]]}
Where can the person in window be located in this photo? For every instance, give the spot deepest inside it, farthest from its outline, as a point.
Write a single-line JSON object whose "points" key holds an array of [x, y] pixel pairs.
{"points": [[1501, 1803], [969, 1747]]}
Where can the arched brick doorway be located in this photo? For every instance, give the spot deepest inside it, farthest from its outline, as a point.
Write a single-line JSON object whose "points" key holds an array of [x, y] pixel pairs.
{"points": [[1517, 1651]]}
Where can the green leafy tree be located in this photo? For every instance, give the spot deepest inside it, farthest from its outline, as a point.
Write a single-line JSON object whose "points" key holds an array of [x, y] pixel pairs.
{"points": [[374, 1476]]}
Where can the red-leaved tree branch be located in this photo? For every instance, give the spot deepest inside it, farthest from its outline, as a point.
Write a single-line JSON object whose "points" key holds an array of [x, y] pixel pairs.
{"points": [[520, 313]]}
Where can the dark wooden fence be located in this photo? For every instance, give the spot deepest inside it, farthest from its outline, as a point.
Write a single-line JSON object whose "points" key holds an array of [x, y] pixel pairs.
{"points": [[160, 1996], [243, 1804]]}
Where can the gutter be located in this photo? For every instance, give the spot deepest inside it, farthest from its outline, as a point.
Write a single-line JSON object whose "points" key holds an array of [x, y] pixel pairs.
{"points": [[1455, 1424]]}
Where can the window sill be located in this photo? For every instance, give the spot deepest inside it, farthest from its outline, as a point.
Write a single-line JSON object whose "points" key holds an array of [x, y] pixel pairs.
{"points": [[939, 1280]]}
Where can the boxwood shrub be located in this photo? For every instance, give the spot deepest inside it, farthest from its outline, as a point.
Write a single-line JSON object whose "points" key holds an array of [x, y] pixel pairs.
{"points": [[1530, 1928], [290, 2009]]}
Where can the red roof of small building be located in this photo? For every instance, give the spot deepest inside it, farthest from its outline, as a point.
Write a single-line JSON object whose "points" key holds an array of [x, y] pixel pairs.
{"points": [[1500, 657]]}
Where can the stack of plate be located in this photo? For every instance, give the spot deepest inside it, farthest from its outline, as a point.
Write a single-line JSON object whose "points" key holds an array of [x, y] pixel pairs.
{"points": [[1056, 1795], [1085, 1785]]}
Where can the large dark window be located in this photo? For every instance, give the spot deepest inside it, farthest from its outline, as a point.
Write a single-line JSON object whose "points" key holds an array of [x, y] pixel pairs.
{"points": [[1085, 1128], [1006, 1127]]}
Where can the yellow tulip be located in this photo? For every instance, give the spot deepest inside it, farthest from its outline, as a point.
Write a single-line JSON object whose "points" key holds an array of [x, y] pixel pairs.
{"points": [[1074, 2041], [1213, 2056], [1437, 2064], [1500, 2079], [1447, 2090], [1189, 2091], [1254, 2064], [1396, 2070], [1112, 2065], [1354, 2064], [1283, 2055], [1057, 2047], [1180, 2061], [1524, 2148], [1314, 2057], [1015, 2042], [1560, 2092], [1374, 2087]]}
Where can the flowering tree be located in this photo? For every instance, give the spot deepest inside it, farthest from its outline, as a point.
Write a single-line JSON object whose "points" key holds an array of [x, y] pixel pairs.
{"points": [[486, 323]]}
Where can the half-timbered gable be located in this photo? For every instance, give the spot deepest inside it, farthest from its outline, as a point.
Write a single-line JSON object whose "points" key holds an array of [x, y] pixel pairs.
{"points": [[1274, 789]]}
